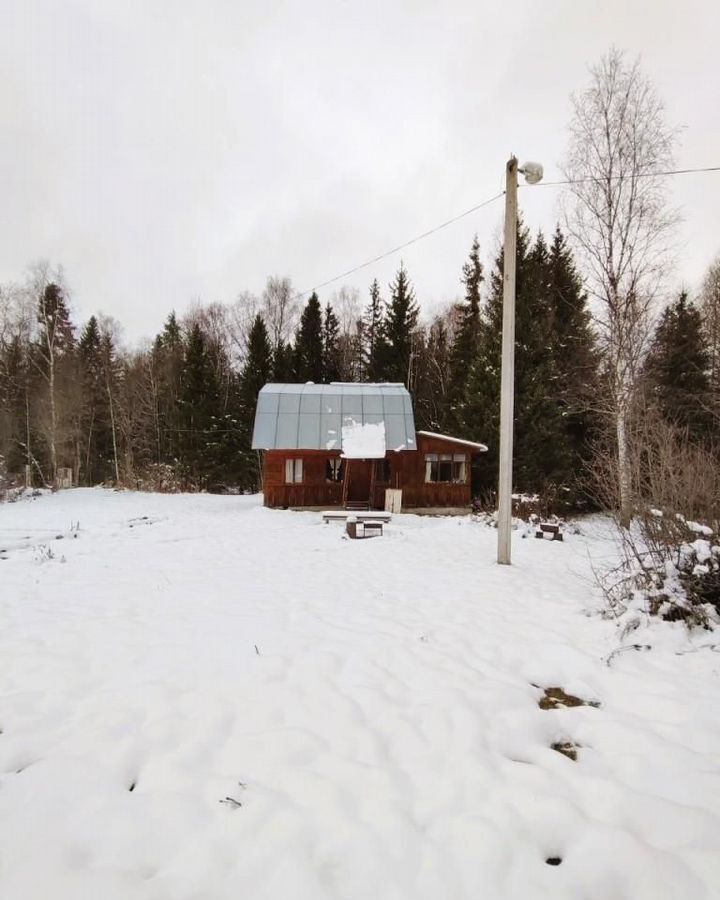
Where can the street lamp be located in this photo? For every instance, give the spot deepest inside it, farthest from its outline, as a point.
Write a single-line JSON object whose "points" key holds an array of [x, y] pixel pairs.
{"points": [[533, 174]]}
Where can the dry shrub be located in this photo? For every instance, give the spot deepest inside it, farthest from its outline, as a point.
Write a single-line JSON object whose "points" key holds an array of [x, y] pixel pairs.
{"points": [[669, 562], [160, 477]]}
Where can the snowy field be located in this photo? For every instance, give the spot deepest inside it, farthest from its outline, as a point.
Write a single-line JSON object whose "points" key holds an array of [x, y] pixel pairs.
{"points": [[370, 707]]}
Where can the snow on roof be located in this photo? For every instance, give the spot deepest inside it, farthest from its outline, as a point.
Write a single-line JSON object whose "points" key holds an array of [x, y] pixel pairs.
{"points": [[446, 437], [314, 416], [363, 440]]}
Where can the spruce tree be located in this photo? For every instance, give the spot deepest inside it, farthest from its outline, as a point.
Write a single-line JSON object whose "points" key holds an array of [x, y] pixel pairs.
{"points": [[111, 377], [53, 354], [465, 346], [198, 407], [538, 445], [94, 418], [543, 456], [15, 376], [308, 352], [575, 354], [400, 321], [168, 355], [256, 373], [258, 368], [676, 370], [283, 363], [171, 334], [331, 346], [375, 349]]}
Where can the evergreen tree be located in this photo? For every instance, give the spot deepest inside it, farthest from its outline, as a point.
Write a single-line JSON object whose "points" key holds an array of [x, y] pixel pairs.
{"points": [[54, 320], [308, 353], [168, 355], [258, 368], [53, 353], [676, 370], [575, 354], [15, 378], [255, 374], [542, 453], [94, 418], [331, 346], [111, 376], [400, 321], [375, 348], [198, 408], [171, 334], [465, 346], [538, 444], [283, 363]]}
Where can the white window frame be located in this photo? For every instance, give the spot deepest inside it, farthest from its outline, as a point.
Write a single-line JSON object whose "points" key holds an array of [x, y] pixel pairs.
{"points": [[293, 471], [458, 462]]}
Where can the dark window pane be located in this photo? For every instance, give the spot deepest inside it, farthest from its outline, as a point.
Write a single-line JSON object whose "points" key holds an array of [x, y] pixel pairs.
{"points": [[445, 470]]}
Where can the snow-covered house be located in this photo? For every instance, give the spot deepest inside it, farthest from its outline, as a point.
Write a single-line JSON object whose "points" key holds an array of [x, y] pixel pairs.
{"points": [[338, 444]]}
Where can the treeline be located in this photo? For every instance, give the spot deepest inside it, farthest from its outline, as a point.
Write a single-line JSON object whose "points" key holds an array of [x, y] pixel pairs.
{"points": [[178, 413]]}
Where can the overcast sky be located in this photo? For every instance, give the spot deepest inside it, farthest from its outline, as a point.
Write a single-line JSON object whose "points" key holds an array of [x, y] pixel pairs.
{"points": [[168, 151]]}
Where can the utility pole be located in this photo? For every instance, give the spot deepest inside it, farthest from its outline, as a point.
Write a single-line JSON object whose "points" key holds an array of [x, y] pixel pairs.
{"points": [[507, 378], [533, 173]]}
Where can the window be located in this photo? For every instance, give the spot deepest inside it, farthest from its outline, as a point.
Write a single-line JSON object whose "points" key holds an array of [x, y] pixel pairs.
{"points": [[445, 467], [334, 469], [293, 471]]}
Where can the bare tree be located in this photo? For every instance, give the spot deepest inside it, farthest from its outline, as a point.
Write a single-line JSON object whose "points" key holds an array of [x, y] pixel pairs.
{"points": [[347, 307], [710, 308], [241, 315], [280, 309], [619, 220]]}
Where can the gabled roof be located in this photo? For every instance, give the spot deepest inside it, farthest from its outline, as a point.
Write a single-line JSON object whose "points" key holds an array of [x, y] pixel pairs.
{"points": [[453, 440], [318, 416]]}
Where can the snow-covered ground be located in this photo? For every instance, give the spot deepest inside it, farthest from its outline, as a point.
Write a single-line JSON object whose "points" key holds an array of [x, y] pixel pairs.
{"points": [[370, 704]]}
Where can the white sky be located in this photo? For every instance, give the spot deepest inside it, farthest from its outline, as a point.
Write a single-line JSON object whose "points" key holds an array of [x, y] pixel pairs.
{"points": [[164, 152]]}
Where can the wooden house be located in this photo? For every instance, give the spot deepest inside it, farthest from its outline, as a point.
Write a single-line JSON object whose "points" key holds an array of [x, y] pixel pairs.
{"points": [[335, 445]]}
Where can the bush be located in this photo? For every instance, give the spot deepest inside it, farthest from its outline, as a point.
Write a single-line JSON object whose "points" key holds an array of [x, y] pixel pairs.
{"points": [[670, 566]]}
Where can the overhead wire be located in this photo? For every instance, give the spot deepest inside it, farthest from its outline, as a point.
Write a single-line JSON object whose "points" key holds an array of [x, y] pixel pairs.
{"points": [[487, 202], [623, 177], [399, 247]]}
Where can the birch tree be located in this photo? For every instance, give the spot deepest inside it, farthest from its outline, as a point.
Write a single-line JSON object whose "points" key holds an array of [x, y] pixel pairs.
{"points": [[620, 222], [55, 341], [710, 309], [281, 310]]}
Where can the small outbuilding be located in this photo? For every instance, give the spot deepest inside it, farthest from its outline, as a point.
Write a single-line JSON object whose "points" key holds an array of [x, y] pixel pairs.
{"points": [[349, 444]]}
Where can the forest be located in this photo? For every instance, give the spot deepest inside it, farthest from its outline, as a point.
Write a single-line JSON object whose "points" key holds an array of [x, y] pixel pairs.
{"points": [[612, 366], [178, 413]]}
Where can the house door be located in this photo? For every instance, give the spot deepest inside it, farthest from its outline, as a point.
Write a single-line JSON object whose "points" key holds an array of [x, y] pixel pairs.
{"points": [[358, 478]]}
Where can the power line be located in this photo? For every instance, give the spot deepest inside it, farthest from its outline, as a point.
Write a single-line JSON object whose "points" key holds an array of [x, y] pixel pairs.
{"points": [[487, 202], [624, 177], [402, 246]]}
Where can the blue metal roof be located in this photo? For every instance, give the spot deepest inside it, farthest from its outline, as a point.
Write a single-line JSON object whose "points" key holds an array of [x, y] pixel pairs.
{"points": [[312, 416]]}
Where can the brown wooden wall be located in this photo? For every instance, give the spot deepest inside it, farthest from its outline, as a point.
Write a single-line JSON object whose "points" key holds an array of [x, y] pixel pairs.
{"points": [[407, 472]]}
